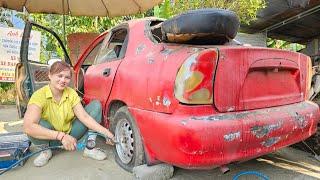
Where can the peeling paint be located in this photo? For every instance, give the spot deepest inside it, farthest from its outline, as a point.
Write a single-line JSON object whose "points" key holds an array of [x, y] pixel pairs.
{"points": [[290, 109], [232, 136], [231, 109], [270, 142], [167, 51], [158, 101], [166, 101], [140, 48], [150, 60], [301, 120], [261, 131], [219, 117], [184, 122], [195, 50]]}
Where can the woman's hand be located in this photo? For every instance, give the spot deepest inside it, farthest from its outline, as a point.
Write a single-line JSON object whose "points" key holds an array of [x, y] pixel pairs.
{"points": [[110, 138], [69, 143]]}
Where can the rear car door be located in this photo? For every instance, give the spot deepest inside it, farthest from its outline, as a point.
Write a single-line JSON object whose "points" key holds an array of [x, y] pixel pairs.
{"points": [[99, 77], [40, 46]]}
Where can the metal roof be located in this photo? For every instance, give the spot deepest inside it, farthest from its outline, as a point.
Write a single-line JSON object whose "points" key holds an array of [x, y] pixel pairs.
{"points": [[290, 20]]}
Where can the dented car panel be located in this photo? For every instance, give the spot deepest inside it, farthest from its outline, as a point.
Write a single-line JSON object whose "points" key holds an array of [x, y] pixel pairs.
{"points": [[206, 140]]}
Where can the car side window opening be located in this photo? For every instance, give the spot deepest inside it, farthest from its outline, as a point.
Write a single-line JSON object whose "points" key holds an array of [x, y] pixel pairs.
{"points": [[88, 61], [112, 48]]}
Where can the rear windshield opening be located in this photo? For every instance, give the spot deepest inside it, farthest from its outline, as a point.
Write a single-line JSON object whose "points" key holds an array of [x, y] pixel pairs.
{"points": [[156, 30]]}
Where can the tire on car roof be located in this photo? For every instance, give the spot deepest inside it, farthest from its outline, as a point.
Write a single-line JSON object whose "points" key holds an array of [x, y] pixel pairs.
{"points": [[202, 26], [126, 122]]}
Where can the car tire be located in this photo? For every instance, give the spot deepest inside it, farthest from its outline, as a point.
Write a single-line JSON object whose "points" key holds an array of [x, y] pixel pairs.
{"points": [[202, 26], [129, 151]]}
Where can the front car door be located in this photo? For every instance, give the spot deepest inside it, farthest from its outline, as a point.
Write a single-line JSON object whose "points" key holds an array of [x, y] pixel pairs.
{"points": [[99, 77], [39, 46]]}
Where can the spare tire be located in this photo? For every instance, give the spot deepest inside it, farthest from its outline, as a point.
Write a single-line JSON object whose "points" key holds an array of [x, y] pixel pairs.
{"points": [[202, 26]]}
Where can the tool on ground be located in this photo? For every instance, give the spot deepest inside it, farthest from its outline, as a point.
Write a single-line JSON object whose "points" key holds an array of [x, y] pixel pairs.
{"points": [[14, 148]]}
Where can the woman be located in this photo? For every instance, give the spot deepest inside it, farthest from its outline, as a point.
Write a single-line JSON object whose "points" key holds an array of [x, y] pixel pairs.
{"points": [[50, 116]]}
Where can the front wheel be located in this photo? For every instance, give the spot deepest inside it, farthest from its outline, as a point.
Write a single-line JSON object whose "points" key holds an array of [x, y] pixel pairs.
{"points": [[129, 151]]}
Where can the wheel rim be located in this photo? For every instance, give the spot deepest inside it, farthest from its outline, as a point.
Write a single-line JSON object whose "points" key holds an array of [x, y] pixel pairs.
{"points": [[124, 135]]}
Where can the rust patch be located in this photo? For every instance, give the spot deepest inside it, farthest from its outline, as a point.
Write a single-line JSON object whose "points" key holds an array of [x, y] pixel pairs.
{"points": [[261, 131], [140, 48], [232, 136], [270, 142]]}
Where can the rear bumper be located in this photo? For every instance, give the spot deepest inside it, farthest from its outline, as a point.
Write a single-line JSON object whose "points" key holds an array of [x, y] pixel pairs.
{"points": [[201, 140]]}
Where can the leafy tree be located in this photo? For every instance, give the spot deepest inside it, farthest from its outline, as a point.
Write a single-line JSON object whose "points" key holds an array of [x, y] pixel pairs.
{"points": [[281, 44], [5, 17], [245, 9]]}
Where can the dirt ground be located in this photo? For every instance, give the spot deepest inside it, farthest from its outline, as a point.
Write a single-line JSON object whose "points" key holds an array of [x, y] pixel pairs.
{"points": [[287, 163]]}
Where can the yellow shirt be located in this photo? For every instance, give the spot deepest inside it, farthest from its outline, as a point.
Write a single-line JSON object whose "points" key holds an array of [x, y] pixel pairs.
{"points": [[59, 114]]}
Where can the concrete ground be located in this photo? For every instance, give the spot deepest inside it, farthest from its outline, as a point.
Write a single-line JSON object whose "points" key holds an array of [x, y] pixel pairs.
{"points": [[287, 163]]}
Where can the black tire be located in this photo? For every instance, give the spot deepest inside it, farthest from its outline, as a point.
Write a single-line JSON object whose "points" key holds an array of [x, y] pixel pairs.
{"points": [[138, 158], [205, 26]]}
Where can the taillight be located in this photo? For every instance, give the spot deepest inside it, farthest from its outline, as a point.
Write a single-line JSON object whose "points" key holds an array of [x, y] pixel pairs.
{"points": [[194, 81]]}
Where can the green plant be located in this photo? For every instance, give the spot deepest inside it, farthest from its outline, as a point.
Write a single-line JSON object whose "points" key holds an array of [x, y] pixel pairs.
{"points": [[7, 93]]}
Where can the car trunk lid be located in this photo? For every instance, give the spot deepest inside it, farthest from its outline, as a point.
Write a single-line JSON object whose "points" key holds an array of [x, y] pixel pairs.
{"points": [[252, 78]]}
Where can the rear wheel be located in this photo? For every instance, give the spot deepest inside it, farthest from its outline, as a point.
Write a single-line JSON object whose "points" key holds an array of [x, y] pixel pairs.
{"points": [[129, 151]]}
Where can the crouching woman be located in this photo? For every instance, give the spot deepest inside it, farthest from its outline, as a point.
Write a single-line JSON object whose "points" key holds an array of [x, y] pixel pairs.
{"points": [[55, 116]]}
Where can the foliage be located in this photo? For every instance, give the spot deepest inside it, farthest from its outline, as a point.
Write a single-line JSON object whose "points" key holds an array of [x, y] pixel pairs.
{"points": [[7, 93], [245, 9], [280, 44], [5, 17]]}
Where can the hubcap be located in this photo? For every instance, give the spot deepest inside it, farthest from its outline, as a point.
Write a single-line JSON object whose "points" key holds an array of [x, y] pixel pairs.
{"points": [[124, 135]]}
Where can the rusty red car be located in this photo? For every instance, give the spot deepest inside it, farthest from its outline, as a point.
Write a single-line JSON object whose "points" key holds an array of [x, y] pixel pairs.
{"points": [[182, 100]]}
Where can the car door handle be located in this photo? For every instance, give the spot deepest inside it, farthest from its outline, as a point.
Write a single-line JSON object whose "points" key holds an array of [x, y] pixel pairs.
{"points": [[106, 72]]}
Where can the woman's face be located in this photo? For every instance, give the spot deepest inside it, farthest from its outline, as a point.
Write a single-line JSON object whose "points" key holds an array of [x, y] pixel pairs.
{"points": [[60, 80]]}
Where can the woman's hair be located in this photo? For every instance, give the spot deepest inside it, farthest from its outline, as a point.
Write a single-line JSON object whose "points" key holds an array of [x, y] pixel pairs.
{"points": [[59, 66]]}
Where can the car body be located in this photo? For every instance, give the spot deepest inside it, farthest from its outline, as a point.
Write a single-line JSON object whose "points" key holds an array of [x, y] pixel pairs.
{"points": [[192, 106]]}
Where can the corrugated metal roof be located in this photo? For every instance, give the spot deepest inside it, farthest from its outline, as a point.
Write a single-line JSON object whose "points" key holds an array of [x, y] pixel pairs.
{"points": [[290, 20]]}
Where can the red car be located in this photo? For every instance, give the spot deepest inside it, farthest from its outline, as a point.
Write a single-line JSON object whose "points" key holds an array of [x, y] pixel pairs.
{"points": [[192, 105]]}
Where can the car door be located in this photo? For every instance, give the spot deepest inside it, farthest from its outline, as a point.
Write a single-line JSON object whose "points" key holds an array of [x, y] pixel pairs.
{"points": [[86, 60], [99, 77], [39, 46]]}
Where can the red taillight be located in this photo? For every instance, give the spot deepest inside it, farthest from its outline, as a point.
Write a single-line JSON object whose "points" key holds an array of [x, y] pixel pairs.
{"points": [[194, 81]]}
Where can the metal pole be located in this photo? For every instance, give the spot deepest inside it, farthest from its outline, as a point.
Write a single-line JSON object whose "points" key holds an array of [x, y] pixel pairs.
{"points": [[64, 24]]}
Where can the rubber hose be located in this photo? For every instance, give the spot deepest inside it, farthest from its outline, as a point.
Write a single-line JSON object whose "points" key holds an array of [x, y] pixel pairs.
{"points": [[264, 177]]}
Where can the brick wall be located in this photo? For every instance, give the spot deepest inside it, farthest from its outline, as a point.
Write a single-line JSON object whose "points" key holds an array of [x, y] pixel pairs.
{"points": [[78, 42]]}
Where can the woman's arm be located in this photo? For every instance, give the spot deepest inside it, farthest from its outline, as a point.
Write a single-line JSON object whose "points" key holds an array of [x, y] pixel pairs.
{"points": [[31, 125], [32, 128], [88, 121]]}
